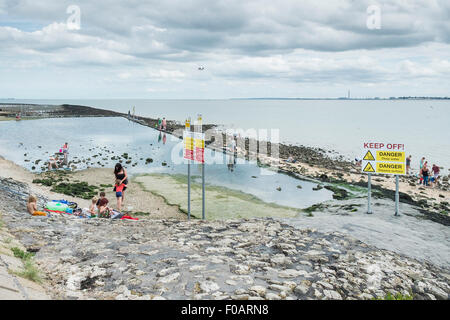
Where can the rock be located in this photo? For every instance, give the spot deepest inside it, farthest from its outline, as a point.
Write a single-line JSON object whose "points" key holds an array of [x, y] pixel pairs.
{"points": [[291, 273], [260, 290], [272, 296], [332, 295], [208, 286], [170, 278], [438, 292]]}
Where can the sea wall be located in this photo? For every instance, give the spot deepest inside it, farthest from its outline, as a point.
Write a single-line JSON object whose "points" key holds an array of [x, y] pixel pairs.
{"points": [[230, 259]]}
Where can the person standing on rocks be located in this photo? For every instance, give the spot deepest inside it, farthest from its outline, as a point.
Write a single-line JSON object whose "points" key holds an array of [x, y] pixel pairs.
{"points": [[425, 174], [164, 124], [408, 164], [436, 170], [65, 150], [121, 175], [420, 169]]}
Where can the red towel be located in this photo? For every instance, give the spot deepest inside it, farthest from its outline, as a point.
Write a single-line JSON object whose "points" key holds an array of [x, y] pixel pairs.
{"points": [[128, 217]]}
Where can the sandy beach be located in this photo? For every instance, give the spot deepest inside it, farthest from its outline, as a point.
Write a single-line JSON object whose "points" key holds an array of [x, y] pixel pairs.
{"points": [[136, 198]]}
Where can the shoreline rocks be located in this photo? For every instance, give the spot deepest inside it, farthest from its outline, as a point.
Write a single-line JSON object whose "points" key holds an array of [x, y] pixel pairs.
{"points": [[233, 259]]}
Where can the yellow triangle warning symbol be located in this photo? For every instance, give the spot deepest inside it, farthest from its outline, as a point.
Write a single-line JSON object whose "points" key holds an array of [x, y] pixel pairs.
{"points": [[368, 168], [369, 156]]}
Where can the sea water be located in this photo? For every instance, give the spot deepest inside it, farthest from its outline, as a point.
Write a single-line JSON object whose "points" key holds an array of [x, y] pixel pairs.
{"points": [[339, 125], [100, 139]]}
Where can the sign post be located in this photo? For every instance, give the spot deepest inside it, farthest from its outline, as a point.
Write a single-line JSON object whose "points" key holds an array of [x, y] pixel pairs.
{"points": [[384, 158], [199, 143], [369, 197], [396, 196], [188, 149]]}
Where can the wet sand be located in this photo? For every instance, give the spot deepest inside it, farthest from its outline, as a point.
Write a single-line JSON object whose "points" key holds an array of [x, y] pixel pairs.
{"points": [[136, 198]]}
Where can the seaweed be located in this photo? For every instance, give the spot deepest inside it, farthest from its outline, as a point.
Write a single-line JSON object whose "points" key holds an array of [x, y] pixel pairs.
{"points": [[80, 189]]}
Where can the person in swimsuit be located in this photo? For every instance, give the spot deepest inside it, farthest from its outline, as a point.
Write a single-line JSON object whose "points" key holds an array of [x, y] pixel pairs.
{"points": [[121, 174], [32, 207], [164, 124]]}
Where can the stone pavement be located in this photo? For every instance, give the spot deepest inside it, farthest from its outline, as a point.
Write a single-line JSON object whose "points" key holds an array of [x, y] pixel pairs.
{"points": [[13, 287]]}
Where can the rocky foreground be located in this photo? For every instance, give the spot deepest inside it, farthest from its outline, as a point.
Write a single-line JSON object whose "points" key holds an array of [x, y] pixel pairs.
{"points": [[234, 259]]}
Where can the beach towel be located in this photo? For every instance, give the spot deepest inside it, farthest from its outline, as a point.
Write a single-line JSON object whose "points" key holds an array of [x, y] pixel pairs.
{"points": [[39, 213], [127, 217]]}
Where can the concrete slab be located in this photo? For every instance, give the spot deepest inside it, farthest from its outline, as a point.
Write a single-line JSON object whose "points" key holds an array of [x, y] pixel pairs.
{"points": [[6, 294], [12, 262], [7, 282]]}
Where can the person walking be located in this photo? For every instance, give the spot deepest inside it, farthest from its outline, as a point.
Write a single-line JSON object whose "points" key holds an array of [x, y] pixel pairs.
{"points": [[408, 164], [164, 124]]}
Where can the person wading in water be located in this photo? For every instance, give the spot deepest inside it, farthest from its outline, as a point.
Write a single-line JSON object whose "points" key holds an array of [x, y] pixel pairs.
{"points": [[121, 174]]}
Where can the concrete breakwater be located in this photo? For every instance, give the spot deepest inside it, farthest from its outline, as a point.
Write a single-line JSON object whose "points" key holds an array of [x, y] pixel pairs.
{"points": [[233, 259]]}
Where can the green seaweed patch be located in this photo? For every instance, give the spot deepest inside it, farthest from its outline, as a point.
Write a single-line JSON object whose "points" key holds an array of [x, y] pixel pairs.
{"points": [[45, 182], [314, 207], [338, 193], [80, 189], [140, 214]]}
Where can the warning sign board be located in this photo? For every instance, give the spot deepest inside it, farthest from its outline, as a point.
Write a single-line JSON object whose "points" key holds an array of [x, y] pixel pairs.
{"points": [[369, 156], [391, 168], [391, 156], [188, 145], [384, 158], [368, 168], [199, 147]]}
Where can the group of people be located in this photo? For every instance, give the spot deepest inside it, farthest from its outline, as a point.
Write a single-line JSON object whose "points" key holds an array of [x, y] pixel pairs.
{"points": [[99, 205], [162, 124], [428, 177]]}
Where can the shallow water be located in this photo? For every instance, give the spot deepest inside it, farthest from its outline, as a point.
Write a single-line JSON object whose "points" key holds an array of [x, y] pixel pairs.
{"points": [[340, 125], [108, 137]]}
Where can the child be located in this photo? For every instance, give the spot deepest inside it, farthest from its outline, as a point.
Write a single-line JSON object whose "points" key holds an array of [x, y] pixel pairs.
{"points": [[119, 189], [103, 210], [32, 207], [93, 209], [102, 196]]}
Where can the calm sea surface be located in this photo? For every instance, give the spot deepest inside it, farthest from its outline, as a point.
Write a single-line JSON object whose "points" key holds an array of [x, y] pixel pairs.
{"points": [[94, 141], [339, 125]]}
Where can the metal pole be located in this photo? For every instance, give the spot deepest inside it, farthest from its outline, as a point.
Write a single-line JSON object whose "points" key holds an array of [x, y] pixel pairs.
{"points": [[203, 191], [369, 187], [396, 196], [189, 189]]}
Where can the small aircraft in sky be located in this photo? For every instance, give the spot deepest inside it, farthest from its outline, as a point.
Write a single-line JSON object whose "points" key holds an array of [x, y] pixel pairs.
{"points": [[201, 68]]}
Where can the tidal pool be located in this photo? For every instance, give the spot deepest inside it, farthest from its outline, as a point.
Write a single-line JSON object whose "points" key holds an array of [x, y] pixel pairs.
{"points": [[102, 142]]}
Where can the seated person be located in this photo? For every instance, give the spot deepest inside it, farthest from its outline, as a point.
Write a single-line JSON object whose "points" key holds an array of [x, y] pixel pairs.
{"points": [[103, 210], [32, 207], [54, 162], [92, 211]]}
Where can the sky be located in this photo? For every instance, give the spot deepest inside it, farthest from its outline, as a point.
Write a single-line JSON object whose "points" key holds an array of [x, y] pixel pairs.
{"points": [[206, 49]]}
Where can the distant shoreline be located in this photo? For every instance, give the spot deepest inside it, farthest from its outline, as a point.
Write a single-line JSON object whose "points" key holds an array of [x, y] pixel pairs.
{"points": [[250, 98]]}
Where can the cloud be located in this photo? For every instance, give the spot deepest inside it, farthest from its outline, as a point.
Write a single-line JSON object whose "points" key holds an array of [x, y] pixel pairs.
{"points": [[287, 41]]}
